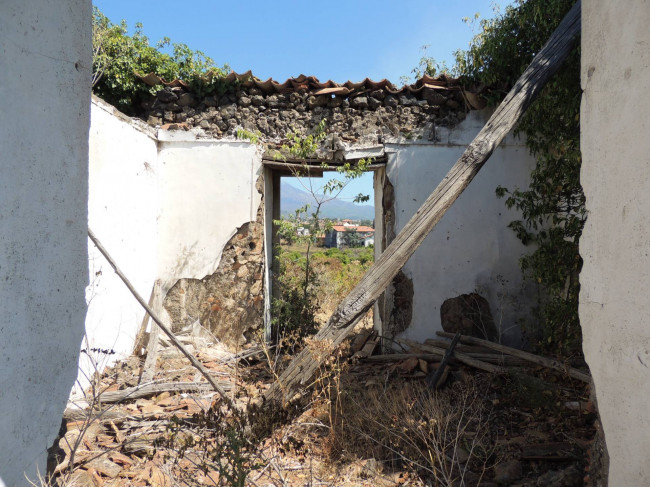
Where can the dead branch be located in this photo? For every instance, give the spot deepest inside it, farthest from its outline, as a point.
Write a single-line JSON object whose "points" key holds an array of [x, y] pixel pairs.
{"points": [[157, 320], [147, 390]]}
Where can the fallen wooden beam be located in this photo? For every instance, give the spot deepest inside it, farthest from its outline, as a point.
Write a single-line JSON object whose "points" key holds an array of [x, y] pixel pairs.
{"points": [[157, 320], [479, 353], [147, 390], [536, 359], [381, 273], [438, 354]]}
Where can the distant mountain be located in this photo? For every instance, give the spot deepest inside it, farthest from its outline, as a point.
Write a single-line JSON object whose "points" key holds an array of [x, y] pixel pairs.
{"points": [[292, 198]]}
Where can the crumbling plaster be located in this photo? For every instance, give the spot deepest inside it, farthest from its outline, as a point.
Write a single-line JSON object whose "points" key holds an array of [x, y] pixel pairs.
{"points": [[615, 245], [44, 117], [164, 204], [209, 190]]}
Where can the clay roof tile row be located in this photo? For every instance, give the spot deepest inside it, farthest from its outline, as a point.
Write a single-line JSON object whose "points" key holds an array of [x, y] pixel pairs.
{"points": [[312, 84]]}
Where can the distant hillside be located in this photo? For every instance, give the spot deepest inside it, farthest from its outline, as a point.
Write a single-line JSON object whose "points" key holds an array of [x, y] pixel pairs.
{"points": [[294, 198]]}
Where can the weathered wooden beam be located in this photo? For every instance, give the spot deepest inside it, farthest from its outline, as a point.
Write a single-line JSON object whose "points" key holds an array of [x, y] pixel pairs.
{"points": [[530, 357], [147, 390], [379, 276]]}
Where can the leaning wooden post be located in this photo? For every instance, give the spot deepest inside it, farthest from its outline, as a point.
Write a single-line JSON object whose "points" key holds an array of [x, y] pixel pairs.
{"points": [[379, 276], [158, 322]]}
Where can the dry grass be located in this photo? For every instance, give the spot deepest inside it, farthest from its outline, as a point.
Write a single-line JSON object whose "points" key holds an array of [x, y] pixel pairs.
{"points": [[439, 437]]}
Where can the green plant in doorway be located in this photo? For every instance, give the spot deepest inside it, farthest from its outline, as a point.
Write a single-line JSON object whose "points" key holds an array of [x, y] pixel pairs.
{"points": [[295, 308]]}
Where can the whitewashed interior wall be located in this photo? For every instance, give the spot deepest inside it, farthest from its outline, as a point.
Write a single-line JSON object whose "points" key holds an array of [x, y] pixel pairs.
{"points": [[471, 249], [123, 212]]}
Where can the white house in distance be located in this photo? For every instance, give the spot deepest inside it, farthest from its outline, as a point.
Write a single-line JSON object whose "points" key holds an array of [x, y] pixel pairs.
{"points": [[336, 236]]}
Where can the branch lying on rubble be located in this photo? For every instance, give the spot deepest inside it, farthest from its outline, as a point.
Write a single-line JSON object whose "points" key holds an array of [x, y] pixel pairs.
{"points": [[536, 359], [433, 378], [379, 276], [157, 320]]}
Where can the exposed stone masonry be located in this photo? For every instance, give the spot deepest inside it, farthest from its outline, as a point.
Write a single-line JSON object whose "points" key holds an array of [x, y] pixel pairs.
{"points": [[367, 115], [229, 302]]}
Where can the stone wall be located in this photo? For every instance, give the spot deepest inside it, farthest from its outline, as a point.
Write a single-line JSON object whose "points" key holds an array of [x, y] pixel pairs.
{"points": [[368, 114]]}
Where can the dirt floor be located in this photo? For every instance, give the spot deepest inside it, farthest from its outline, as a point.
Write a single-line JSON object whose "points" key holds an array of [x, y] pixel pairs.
{"points": [[365, 422]]}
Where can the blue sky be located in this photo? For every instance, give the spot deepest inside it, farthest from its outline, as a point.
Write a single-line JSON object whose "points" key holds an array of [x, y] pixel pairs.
{"points": [[337, 40]]}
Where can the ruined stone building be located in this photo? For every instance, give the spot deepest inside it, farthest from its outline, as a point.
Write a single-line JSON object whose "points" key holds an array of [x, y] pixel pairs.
{"points": [[180, 201]]}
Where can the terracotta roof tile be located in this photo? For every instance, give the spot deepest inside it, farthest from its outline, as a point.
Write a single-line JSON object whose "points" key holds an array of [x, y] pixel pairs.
{"points": [[312, 84]]}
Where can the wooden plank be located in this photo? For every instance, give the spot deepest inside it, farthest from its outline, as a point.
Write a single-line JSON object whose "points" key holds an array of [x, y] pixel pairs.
{"points": [[536, 359], [369, 347], [157, 320], [149, 368], [382, 272], [140, 342]]}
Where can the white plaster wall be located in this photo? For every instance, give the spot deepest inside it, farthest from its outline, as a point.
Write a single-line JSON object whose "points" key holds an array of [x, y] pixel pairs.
{"points": [[163, 205], [615, 245], [45, 62], [471, 248], [208, 191], [124, 206]]}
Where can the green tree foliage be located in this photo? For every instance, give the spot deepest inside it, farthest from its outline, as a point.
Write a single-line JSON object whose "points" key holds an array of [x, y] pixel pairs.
{"points": [[352, 238], [553, 206], [118, 56]]}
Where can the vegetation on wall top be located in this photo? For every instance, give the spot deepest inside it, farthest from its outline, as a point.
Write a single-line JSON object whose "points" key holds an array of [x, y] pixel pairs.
{"points": [[553, 207], [118, 57]]}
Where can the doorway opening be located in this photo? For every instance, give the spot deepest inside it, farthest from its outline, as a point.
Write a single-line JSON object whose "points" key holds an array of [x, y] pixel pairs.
{"points": [[323, 230]]}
